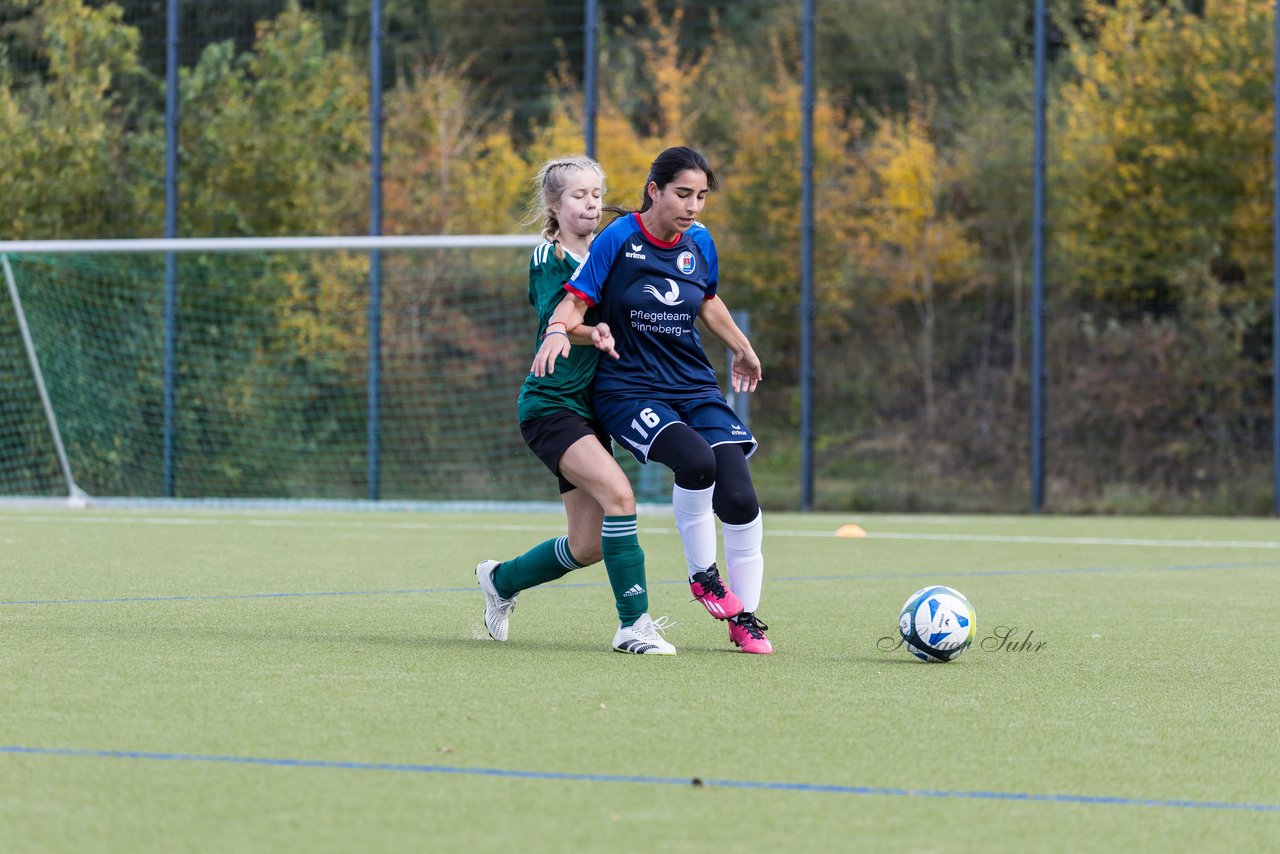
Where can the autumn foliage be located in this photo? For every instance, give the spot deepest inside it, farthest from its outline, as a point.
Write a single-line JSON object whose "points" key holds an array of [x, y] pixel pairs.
{"points": [[1160, 217]]}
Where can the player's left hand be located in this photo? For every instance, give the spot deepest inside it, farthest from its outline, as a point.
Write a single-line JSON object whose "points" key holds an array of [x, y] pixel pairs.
{"points": [[747, 371], [602, 338]]}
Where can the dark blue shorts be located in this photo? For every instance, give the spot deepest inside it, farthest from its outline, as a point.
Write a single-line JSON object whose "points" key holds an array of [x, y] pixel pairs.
{"points": [[636, 422]]}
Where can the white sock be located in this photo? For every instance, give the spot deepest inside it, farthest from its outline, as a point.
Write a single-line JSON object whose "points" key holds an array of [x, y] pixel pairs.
{"points": [[697, 526], [744, 561]]}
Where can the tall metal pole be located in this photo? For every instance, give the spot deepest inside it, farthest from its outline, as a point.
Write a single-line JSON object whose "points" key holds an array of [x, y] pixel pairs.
{"points": [[806, 268], [1275, 266], [739, 403], [589, 66], [170, 259], [374, 475], [1037, 268]]}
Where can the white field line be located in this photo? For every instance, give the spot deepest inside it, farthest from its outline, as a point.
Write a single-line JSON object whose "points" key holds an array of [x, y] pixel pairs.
{"points": [[216, 521], [1083, 541]]}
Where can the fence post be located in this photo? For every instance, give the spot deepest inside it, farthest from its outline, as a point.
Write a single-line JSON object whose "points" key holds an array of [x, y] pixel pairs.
{"points": [[806, 266], [170, 369], [1037, 269], [739, 403], [590, 15], [1275, 266], [374, 474]]}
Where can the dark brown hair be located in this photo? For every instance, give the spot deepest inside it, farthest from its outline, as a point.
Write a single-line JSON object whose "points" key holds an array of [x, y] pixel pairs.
{"points": [[664, 170]]}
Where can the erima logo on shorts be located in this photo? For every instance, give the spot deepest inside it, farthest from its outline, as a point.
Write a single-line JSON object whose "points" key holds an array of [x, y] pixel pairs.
{"points": [[671, 297], [685, 263], [636, 253], [737, 430]]}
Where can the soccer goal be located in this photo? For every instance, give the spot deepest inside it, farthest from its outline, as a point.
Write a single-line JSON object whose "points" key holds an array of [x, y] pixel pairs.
{"points": [[269, 382]]}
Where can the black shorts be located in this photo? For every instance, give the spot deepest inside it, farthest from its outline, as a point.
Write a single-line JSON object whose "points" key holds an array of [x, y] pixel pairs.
{"points": [[549, 436]]}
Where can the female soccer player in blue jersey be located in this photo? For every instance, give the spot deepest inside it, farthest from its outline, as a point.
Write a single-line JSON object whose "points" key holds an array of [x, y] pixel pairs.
{"points": [[557, 423], [651, 273]]}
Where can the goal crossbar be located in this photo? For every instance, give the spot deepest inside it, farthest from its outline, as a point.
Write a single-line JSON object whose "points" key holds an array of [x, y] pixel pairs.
{"points": [[269, 244]]}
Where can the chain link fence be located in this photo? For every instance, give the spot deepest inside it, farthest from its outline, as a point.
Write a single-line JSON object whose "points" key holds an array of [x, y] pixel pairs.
{"points": [[1158, 263]]}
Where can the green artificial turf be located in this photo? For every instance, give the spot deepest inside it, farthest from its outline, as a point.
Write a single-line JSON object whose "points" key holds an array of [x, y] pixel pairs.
{"points": [[181, 679]]}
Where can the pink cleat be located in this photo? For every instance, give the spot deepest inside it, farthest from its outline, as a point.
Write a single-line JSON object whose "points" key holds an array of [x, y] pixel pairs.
{"points": [[715, 597], [747, 632]]}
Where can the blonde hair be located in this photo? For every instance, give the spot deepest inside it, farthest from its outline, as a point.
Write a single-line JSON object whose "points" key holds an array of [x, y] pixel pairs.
{"points": [[549, 185]]}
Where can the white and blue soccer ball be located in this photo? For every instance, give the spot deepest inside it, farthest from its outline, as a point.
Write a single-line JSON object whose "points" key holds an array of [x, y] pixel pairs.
{"points": [[937, 623]]}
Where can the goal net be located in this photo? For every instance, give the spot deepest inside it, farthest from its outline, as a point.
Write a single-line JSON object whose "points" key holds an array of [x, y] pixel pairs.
{"points": [[271, 388]]}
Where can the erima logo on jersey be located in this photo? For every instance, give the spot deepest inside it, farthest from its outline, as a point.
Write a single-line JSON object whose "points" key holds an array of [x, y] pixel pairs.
{"points": [[635, 253], [685, 263], [671, 297]]}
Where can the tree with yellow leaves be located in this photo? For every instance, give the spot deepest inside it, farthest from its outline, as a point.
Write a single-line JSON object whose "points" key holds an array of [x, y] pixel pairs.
{"points": [[63, 141], [913, 244], [1162, 152], [762, 209], [631, 131]]}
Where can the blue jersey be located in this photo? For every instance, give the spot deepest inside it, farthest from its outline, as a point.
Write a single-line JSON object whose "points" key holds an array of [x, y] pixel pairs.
{"points": [[650, 292]]}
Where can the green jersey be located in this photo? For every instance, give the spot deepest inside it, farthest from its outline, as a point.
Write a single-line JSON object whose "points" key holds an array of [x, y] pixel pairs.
{"points": [[569, 388]]}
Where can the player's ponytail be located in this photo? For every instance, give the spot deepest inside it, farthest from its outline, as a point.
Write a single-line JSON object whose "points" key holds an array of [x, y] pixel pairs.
{"points": [[548, 185], [646, 201]]}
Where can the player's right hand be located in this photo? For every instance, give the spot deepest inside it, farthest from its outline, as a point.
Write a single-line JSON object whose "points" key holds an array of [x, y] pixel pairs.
{"points": [[554, 346], [746, 371]]}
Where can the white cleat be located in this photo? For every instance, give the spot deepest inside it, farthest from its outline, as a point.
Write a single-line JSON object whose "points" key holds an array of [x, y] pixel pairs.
{"points": [[497, 611], [644, 638]]}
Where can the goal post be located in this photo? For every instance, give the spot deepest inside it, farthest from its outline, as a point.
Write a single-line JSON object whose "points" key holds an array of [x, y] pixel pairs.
{"points": [[75, 495]]}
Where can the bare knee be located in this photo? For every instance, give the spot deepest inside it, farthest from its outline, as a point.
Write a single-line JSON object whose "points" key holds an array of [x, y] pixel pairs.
{"points": [[613, 493], [619, 500]]}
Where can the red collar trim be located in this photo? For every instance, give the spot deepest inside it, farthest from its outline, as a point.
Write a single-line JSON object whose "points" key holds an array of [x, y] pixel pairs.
{"points": [[661, 244]]}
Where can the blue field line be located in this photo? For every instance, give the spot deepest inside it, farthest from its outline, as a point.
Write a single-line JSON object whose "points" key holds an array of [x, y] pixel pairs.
{"points": [[878, 576], [511, 773], [202, 597]]}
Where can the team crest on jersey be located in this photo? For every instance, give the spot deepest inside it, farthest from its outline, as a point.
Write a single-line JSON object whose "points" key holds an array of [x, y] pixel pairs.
{"points": [[671, 297], [685, 263]]}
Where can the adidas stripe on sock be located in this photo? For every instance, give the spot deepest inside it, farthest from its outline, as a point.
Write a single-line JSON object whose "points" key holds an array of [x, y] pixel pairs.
{"points": [[624, 562], [545, 562]]}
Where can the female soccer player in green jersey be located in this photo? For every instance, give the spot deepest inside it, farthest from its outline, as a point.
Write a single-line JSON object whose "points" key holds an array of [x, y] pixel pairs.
{"points": [[559, 426]]}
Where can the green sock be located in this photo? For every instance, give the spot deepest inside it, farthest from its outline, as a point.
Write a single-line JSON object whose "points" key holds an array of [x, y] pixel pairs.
{"points": [[544, 562], [624, 561]]}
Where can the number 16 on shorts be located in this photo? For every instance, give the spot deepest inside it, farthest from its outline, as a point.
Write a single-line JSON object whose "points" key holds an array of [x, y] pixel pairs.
{"points": [[635, 424]]}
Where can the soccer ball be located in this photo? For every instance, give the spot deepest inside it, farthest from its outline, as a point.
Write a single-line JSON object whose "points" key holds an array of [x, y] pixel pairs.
{"points": [[937, 623]]}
